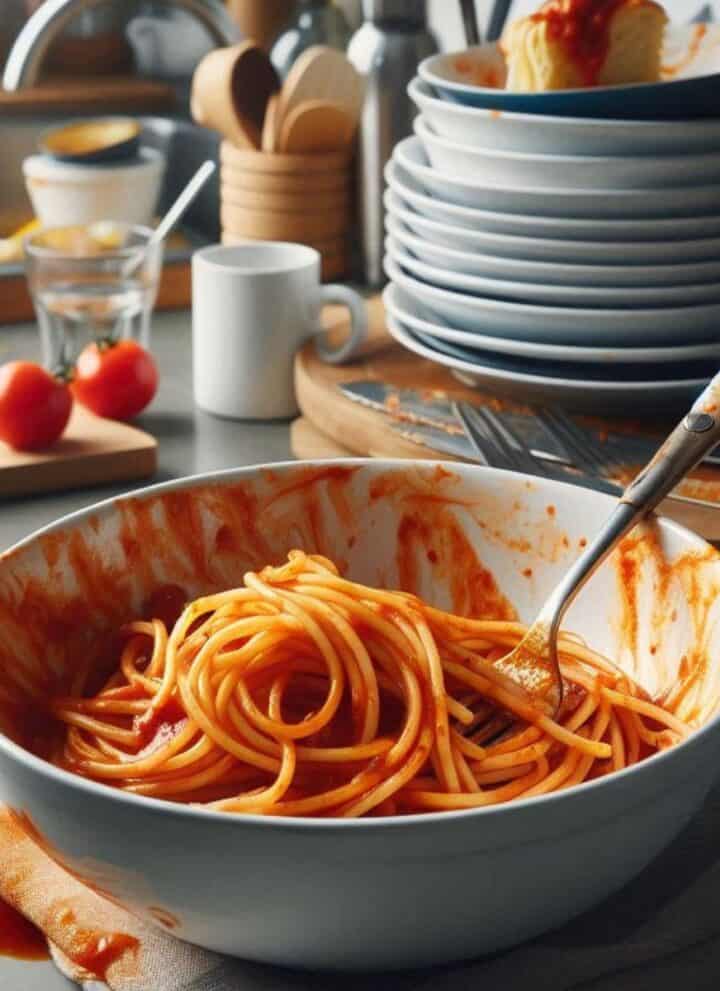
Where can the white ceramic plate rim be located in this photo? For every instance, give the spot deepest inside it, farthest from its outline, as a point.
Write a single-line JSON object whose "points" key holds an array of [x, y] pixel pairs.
{"points": [[529, 309], [395, 219], [425, 132], [538, 191], [292, 823], [473, 368], [479, 285], [549, 352], [416, 91], [398, 187]]}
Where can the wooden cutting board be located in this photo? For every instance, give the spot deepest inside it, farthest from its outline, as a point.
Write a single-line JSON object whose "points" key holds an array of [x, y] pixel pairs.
{"points": [[92, 451], [334, 426]]}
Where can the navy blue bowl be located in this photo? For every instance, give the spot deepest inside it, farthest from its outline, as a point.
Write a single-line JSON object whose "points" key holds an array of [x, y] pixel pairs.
{"points": [[696, 96]]}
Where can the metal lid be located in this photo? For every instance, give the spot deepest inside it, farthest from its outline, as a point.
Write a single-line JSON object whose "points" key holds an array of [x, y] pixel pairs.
{"points": [[409, 11]]}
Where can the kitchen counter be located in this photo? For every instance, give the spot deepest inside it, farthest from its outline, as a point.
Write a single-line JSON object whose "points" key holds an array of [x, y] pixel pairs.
{"points": [[190, 441]]}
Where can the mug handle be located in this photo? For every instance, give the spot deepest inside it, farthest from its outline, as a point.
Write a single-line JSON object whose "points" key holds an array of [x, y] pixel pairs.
{"points": [[358, 324]]}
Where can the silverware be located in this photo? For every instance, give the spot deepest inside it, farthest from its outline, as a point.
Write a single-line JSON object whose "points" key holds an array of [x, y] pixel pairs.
{"points": [[470, 22], [431, 409], [499, 446], [534, 662], [498, 17]]}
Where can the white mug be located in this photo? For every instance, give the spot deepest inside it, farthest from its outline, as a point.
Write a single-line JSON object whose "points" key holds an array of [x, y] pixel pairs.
{"points": [[254, 305]]}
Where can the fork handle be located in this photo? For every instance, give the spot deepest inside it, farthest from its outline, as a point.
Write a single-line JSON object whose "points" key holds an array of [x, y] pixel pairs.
{"points": [[685, 447]]}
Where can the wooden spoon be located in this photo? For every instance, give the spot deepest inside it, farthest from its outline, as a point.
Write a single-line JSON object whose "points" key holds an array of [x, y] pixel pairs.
{"points": [[271, 125], [322, 73], [230, 92], [316, 126]]}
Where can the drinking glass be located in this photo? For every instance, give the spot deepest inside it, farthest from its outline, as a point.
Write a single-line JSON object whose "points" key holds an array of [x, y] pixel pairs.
{"points": [[91, 283]]}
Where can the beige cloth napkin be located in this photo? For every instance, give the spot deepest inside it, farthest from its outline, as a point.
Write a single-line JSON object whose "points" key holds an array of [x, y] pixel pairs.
{"points": [[661, 932]]}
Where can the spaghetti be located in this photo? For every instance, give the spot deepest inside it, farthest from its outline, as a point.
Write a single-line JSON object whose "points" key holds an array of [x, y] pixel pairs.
{"points": [[304, 694]]}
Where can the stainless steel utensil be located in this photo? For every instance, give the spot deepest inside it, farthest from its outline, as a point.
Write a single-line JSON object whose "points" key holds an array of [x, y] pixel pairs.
{"points": [[498, 17], [470, 22], [534, 662], [498, 445]]}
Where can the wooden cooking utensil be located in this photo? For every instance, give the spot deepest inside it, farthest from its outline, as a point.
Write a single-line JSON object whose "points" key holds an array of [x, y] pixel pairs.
{"points": [[230, 92], [271, 124], [322, 73], [297, 202], [316, 126], [249, 160]]}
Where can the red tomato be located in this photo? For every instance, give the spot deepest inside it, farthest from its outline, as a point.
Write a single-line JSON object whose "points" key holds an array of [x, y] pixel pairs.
{"points": [[35, 406], [115, 379]]}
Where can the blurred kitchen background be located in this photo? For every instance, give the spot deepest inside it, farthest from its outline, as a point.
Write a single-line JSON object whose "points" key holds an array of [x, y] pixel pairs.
{"points": [[90, 58]]}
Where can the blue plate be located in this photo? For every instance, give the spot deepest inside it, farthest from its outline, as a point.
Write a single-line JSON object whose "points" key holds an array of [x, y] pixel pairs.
{"points": [[687, 96]]}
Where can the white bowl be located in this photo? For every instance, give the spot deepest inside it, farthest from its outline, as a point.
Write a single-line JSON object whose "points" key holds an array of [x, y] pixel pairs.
{"points": [[554, 201], [563, 324], [540, 134], [517, 170], [638, 229], [550, 273], [544, 294], [64, 194], [415, 317], [468, 238], [324, 893]]}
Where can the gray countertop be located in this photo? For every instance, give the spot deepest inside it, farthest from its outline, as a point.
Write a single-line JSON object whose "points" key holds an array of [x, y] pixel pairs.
{"points": [[190, 441]]}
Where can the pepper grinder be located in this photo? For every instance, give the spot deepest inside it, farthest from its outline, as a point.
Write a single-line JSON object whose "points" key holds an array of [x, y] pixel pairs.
{"points": [[386, 50]]}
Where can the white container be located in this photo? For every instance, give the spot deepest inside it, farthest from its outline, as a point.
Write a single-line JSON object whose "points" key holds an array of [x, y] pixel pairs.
{"points": [[65, 194], [372, 893]]}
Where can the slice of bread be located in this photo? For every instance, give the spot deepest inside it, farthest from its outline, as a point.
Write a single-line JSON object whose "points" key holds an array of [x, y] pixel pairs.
{"points": [[539, 58]]}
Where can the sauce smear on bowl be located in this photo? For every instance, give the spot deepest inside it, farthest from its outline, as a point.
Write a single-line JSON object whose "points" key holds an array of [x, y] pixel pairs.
{"points": [[20, 938]]}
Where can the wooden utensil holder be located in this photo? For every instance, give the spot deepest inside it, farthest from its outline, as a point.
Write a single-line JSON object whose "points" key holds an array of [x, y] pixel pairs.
{"points": [[300, 198]]}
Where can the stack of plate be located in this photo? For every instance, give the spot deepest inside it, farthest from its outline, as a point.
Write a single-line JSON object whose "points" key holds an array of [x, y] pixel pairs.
{"points": [[556, 259]]}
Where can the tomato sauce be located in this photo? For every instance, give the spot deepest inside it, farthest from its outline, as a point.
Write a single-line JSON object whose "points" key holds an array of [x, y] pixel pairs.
{"points": [[20, 938], [583, 29]]}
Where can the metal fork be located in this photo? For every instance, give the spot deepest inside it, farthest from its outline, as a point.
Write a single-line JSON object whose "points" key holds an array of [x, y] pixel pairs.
{"points": [[501, 447], [533, 663], [584, 449]]}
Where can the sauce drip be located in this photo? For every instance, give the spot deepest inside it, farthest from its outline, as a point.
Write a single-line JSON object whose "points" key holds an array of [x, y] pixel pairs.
{"points": [[92, 950], [583, 28], [20, 938]]}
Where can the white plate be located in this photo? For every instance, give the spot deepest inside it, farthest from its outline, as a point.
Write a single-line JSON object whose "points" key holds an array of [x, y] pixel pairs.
{"points": [[522, 270], [517, 170], [577, 394], [526, 225], [538, 134], [551, 249], [593, 297], [416, 317], [563, 325], [606, 203]]}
